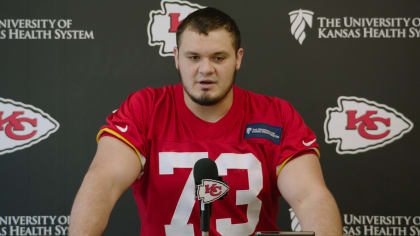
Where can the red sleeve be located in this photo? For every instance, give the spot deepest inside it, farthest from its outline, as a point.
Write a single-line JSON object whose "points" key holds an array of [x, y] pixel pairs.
{"points": [[297, 138], [129, 122]]}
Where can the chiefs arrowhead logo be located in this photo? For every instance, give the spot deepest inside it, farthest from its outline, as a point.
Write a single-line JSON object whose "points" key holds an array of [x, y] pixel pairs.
{"points": [[359, 125], [23, 125], [210, 190], [164, 23]]}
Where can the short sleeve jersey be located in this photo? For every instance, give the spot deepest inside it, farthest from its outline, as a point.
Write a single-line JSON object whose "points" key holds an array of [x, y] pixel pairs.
{"points": [[250, 145]]}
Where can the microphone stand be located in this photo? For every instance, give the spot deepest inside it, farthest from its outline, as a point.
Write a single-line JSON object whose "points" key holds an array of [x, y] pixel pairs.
{"points": [[205, 213]]}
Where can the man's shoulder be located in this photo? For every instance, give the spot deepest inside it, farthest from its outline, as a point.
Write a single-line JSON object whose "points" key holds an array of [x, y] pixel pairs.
{"points": [[152, 95], [264, 100], [155, 92]]}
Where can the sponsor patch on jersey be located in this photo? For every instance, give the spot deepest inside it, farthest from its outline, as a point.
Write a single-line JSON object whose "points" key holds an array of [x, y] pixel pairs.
{"points": [[265, 131]]}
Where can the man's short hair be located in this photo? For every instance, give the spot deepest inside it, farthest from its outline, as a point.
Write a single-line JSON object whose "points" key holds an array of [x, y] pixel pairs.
{"points": [[208, 19]]}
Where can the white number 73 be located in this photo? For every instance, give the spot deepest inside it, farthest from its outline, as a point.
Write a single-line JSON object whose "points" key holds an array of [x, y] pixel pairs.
{"points": [[168, 161]]}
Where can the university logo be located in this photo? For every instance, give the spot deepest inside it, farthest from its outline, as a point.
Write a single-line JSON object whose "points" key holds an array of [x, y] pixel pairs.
{"points": [[163, 24], [23, 125], [211, 190], [248, 130], [359, 125], [295, 224], [299, 19]]}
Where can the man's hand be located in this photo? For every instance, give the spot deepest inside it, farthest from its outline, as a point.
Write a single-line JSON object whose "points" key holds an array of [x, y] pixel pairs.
{"points": [[302, 185], [114, 168]]}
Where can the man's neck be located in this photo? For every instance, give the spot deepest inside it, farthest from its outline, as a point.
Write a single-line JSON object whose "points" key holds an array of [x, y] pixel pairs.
{"points": [[211, 113]]}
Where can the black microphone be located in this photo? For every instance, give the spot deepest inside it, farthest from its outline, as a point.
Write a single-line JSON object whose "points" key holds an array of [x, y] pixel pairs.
{"points": [[205, 169], [209, 188]]}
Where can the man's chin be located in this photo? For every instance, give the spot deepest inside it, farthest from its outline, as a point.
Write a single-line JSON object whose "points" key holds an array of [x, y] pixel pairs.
{"points": [[205, 100]]}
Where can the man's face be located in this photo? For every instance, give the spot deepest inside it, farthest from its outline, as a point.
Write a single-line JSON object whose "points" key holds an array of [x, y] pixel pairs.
{"points": [[207, 65]]}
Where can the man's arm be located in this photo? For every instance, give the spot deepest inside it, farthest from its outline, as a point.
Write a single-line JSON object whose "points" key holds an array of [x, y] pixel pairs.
{"points": [[302, 185], [114, 168]]}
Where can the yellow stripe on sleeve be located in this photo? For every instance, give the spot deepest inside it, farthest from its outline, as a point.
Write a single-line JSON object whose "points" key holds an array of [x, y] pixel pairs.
{"points": [[317, 152], [280, 167], [122, 138]]}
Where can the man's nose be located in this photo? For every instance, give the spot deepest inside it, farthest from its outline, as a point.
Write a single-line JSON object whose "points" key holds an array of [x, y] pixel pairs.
{"points": [[206, 67]]}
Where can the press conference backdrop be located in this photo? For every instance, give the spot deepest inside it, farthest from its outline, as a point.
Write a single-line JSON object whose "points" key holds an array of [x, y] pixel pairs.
{"points": [[351, 69]]}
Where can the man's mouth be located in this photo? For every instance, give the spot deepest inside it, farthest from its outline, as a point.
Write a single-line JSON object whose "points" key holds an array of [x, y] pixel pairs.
{"points": [[206, 84]]}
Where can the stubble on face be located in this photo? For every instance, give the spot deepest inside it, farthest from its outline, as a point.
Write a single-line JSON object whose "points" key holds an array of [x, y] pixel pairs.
{"points": [[204, 99], [207, 66]]}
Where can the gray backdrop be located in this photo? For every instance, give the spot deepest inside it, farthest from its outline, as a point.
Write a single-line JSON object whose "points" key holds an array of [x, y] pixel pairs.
{"points": [[78, 82]]}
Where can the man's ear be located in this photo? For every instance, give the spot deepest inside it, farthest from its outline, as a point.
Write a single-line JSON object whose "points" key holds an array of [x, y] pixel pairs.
{"points": [[239, 56], [176, 57]]}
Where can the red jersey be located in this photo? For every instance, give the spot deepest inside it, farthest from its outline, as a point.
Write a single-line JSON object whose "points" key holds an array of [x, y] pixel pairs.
{"points": [[250, 144]]}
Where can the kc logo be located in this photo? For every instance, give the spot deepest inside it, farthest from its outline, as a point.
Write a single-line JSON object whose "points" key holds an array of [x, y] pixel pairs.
{"points": [[367, 122], [211, 190], [23, 125], [13, 124], [163, 24], [359, 125], [174, 22]]}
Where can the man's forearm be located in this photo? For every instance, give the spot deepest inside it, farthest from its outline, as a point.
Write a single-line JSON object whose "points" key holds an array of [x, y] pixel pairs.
{"points": [[114, 168], [319, 212], [92, 207]]}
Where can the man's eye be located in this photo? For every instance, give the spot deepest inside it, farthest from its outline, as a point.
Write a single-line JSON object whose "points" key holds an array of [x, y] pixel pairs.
{"points": [[194, 57], [219, 58]]}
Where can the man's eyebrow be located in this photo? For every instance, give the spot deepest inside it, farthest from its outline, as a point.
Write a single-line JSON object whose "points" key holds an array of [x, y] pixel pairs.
{"points": [[190, 53], [221, 53], [213, 54]]}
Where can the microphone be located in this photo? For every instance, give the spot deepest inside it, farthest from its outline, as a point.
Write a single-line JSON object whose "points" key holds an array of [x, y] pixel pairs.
{"points": [[209, 188], [205, 169]]}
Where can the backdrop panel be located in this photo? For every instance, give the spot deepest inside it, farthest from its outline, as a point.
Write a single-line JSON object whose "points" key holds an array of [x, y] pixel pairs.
{"points": [[350, 68]]}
